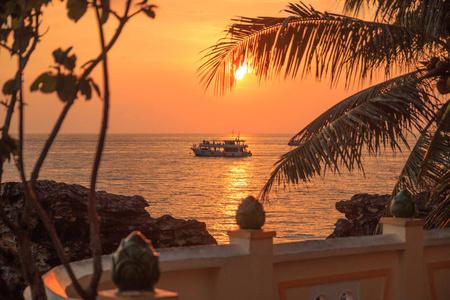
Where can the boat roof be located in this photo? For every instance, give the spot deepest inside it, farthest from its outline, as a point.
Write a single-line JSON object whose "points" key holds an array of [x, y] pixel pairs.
{"points": [[231, 140]]}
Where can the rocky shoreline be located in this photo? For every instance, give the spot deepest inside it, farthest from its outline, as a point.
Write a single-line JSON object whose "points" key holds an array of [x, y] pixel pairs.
{"points": [[66, 206], [363, 212]]}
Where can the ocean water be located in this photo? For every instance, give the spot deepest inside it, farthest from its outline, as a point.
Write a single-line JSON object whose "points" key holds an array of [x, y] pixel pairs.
{"points": [[163, 169]]}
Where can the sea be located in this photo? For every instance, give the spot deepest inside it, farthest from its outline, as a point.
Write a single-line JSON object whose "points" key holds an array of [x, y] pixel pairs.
{"points": [[163, 169]]}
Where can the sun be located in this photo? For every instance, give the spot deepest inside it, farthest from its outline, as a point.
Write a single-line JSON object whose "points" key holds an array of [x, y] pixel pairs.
{"points": [[239, 75]]}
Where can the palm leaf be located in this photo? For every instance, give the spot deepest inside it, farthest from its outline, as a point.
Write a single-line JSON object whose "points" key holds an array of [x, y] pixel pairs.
{"points": [[346, 105], [431, 17], [440, 215], [436, 161], [427, 167], [371, 118], [425, 162], [331, 43], [408, 176]]}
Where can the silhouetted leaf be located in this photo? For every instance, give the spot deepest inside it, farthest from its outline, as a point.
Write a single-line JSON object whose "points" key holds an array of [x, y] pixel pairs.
{"points": [[4, 33], [77, 8], [15, 23], [35, 4], [49, 84], [45, 82], [8, 147], [10, 87], [60, 56], [70, 61], [85, 88], [35, 85], [66, 87], [94, 86], [105, 11], [149, 11]]}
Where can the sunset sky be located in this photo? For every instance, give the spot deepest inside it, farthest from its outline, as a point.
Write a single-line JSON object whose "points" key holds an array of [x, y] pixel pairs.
{"points": [[154, 85]]}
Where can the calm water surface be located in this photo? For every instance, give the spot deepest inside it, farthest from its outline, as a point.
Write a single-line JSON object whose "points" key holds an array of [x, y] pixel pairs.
{"points": [[163, 169]]}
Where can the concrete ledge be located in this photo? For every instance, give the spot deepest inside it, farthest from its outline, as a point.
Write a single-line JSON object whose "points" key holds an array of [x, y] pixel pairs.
{"points": [[436, 237], [252, 233], [57, 281], [197, 257], [337, 247], [403, 222]]}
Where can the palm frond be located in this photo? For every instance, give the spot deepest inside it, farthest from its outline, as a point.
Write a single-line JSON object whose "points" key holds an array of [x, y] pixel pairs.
{"points": [[431, 17], [372, 118], [408, 176], [436, 161], [429, 158], [341, 108], [333, 44], [428, 168], [439, 217]]}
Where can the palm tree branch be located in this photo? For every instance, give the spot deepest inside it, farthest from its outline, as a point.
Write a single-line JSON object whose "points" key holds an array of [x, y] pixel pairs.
{"points": [[330, 42], [332, 140], [408, 176], [440, 215], [343, 107], [431, 16], [436, 159]]}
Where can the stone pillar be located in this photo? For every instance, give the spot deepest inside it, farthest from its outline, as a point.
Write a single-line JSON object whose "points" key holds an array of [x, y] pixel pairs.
{"points": [[249, 276], [412, 267], [255, 241]]}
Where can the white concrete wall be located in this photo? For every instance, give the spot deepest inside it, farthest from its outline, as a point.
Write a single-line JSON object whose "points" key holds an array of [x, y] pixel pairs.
{"points": [[405, 263]]}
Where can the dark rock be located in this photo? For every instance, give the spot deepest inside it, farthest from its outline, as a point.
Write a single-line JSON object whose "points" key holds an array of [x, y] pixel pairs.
{"points": [[66, 206], [363, 212]]}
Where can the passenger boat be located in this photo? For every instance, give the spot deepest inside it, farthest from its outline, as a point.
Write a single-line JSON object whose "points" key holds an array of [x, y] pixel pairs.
{"points": [[225, 148]]}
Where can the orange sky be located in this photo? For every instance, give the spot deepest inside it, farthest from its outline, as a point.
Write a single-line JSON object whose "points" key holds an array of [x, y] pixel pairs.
{"points": [[154, 85]]}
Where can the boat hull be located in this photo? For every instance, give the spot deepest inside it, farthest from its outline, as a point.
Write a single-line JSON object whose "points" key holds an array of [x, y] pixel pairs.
{"points": [[208, 153], [237, 154], [199, 152]]}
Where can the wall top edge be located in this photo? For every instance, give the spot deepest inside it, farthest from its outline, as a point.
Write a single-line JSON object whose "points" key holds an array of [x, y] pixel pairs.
{"points": [[252, 233], [403, 222], [337, 247]]}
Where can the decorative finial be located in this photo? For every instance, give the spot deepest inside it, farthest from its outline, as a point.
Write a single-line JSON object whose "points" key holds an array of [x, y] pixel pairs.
{"points": [[250, 214], [135, 264], [402, 206]]}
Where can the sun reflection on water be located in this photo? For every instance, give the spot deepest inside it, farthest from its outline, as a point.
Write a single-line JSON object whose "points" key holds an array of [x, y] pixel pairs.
{"points": [[235, 185]]}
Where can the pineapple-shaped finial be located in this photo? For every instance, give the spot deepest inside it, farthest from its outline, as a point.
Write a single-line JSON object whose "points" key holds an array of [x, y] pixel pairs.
{"points": [[135, 264], [250, 214], [402, 206]]}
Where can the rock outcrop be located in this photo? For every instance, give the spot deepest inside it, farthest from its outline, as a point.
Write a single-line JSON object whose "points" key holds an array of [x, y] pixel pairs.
{"points": [[66, 206], [363, 212]]}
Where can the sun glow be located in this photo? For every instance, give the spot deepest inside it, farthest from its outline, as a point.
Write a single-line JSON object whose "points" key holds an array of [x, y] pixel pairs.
{"points": [[239, 74]]}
